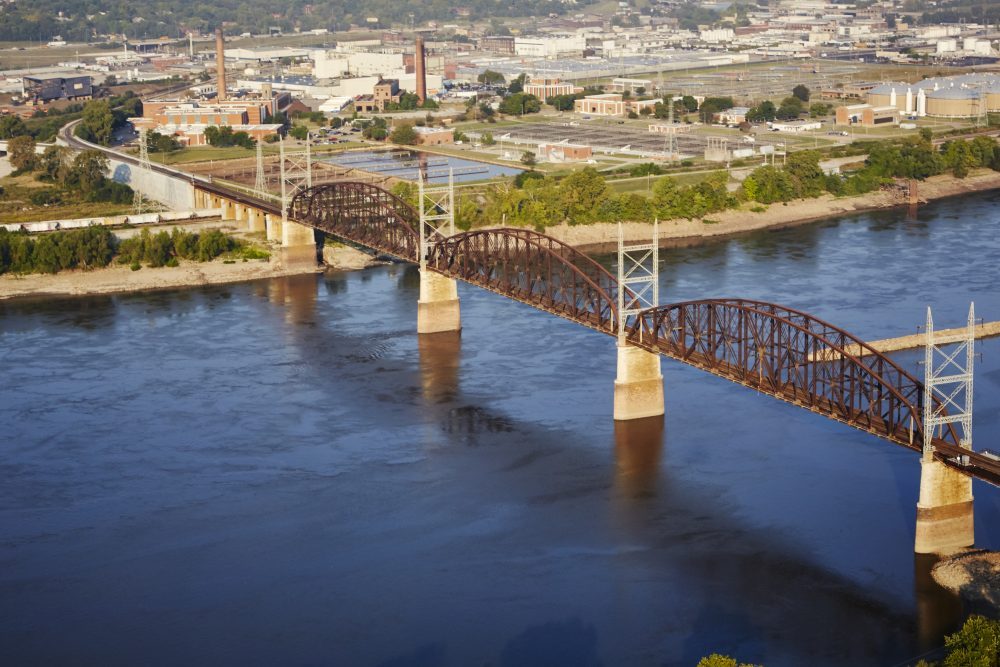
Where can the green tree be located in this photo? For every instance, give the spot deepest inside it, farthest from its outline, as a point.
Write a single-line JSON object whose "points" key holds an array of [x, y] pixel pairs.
{"points": [[765, 111], [517, 84], [21, 152], [667, 198], [808, 176], [582, 193], [53, 163], [161, 143], [89, 169], [801, 92], [712, 106], [769, 184], [11, 126], [404, 135], [977, 644], [491, 78], [958, 157], [519, 104], [819, 109], [528, 159], [791, 108], [716, 660], [487, 139], [300, 132], [98, 121]]}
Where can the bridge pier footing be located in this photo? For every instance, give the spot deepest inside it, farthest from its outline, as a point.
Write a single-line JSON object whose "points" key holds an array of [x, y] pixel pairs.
{"points": [[639, 384], [256, 221], [944, 511], [437, 308], [272, 227], [298, 244]]}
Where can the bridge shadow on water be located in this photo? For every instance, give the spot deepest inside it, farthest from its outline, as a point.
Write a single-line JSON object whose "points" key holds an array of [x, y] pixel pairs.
{"points": [[753, 579]]}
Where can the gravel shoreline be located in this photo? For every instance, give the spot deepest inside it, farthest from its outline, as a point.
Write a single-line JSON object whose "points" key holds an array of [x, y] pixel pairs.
{"points": [[975, 576]]}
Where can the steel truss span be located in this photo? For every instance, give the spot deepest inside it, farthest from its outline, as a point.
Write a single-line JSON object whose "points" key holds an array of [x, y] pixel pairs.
{"points": [[532, 268], [362, 213], [803, 360], [773, 349]]}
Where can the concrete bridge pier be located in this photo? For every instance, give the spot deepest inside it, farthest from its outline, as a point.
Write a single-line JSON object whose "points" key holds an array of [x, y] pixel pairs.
{"points": [[298, 244], [241, 213], [639, 385], [944, 510], [272, 227], [228, 209], [437, 308], [257, 220]]}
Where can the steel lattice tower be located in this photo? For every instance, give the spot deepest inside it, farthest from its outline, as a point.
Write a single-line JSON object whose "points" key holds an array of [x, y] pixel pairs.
{"points": [[144, 172], [948, 382], [296, 174], [639, 276], [260, 184]]}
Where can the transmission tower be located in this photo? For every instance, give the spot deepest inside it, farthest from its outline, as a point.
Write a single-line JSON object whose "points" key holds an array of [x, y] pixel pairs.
{"points": [[437, 214], [296, 174], [639, 276], [143, 173], [260, 185], [948, 382]]}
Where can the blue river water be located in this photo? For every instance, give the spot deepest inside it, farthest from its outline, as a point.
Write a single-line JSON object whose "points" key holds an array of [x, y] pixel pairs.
{"points": [[282, 472]]}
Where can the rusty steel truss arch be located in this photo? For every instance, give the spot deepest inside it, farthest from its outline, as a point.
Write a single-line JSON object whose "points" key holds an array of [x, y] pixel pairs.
{"points": [[533, 268], [362, 213], [773, 349], [793, 356]]}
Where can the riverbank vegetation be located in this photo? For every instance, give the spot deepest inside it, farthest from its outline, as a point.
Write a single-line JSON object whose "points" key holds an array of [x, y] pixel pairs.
{"points": [[586, 196], [96, 247], [58, 184], [977, 644]]}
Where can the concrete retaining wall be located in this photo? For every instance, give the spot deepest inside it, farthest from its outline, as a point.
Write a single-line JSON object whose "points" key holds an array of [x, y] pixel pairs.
{"points": [[172, 191]]}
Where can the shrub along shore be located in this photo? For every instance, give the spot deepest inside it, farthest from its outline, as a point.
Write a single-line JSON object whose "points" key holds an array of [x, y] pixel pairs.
{"points": [[96, 247]]}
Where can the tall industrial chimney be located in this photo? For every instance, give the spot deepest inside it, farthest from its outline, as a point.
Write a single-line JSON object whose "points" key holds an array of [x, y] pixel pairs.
{"points": [[420, 69], [220, 64]]}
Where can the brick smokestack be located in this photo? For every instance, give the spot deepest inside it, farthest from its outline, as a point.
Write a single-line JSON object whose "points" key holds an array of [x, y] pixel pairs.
{"points": [[419, 66], [220, 64]]}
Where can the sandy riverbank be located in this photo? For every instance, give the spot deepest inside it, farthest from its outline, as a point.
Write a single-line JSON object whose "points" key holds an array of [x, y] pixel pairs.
{"points": [[123, 279], [973, 575], [728, 223]]}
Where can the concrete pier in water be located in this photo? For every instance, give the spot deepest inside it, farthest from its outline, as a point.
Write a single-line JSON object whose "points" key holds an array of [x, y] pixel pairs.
{"points": [[944, 510], [638, 385], [437, 308]]}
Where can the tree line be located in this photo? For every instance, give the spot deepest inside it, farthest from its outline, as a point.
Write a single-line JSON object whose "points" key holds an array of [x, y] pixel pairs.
{"points": [[802, 177], [43, 19], [585, 196], [96, 247]]}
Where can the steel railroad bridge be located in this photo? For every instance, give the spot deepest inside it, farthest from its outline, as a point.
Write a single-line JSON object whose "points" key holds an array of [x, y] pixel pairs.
{"points": [[772, 349]]}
